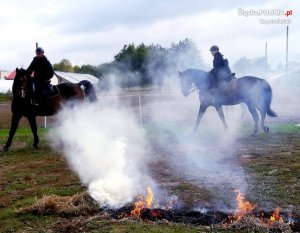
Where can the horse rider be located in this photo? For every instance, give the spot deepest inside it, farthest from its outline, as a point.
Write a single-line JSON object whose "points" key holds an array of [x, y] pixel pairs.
{"points": [[43, 72], [221, 74]]}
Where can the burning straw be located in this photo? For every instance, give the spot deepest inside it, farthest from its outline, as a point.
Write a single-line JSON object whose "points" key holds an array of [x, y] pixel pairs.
{"points": [[244, 218], [79, 204], [85, 209], [253, 224]]}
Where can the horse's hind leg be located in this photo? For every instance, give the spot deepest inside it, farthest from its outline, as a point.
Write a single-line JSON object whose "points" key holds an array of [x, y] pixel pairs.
{"points": [[33, 127], [263, 114], [13, 128], [221, 115], [255, 116]]}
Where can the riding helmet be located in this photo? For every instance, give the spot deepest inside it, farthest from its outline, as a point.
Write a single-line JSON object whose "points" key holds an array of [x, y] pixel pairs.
{"points": [[214, 48], [39, 50]]}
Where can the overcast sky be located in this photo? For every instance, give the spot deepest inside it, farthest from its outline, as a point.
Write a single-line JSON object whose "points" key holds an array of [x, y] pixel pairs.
{"points": [[92, 32]]}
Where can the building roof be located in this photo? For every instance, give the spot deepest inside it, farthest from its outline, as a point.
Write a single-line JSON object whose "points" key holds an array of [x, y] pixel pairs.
{"points": [[11, 76], [75, 77]]}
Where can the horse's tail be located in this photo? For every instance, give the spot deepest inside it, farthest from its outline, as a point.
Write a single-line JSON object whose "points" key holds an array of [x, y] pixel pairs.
{"points": [[268, 99], [89, 90]]}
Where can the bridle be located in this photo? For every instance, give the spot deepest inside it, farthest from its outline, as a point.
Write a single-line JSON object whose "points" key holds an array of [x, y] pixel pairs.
{"points": [[23, 83], [193, 88]]}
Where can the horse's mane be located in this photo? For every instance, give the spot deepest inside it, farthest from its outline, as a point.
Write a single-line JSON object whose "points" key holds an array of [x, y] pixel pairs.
{"points": [[196, 75], [194, 71]]}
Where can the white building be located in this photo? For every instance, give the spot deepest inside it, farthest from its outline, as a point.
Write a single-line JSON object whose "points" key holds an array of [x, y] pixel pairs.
{"points": [[6, 85], [3, 74], [73, 78]]}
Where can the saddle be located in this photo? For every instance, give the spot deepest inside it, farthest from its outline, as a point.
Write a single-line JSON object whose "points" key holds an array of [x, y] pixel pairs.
{"points": [[221, 83], [43, 92], [228, 85], [49, 92]]}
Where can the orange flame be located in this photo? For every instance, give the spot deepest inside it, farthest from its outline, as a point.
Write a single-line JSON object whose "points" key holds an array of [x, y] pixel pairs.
{"points": [[142, 204], [243, 207], [276, 216]]}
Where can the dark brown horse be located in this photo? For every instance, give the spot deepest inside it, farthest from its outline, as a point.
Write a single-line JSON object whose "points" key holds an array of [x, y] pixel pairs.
{"points": [[22, 102], [256, 93]]}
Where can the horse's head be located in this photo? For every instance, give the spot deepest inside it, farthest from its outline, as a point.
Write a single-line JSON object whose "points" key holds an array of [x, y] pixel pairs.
{"points": [[20, 87], [187, 84]]}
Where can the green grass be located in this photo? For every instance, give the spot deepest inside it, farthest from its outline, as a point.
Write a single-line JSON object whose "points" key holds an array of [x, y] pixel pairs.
{"points": [[281, 127], [275, 127], [26, 132], [5, 98], [136, 227], [26, 174]]}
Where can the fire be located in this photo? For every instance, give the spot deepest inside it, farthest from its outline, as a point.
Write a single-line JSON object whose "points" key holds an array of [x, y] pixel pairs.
{"points": [[142, 204], [276, 216], [243, 207]]}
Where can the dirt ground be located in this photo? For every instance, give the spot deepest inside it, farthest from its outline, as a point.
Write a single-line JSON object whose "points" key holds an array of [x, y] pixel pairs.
{"points": [[271, 169], [269, 165]]}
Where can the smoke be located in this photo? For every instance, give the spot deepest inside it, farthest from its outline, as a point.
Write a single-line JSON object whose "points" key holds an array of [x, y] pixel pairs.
{"points": [[206, 158], [286, 94], [104, 144], [106, 148]]}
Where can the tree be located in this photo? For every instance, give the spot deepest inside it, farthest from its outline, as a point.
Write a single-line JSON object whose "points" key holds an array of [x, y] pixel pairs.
{"points": [[156, 64], [125, 57], [76, 69], [185, 55], [242, 66], [246, 66], [88, 69], [64, 65]]}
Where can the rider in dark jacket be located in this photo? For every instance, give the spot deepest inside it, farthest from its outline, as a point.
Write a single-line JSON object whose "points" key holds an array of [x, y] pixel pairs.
{"points": [[221, 72], [43, 72]]}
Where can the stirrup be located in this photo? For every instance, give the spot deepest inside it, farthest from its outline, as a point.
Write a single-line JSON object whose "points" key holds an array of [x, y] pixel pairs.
{"points": [[34, 103]]}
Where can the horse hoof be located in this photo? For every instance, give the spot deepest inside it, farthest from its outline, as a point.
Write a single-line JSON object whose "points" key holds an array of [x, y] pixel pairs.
{"points": [[253, 135], [266, 129], [5, 148], [35, 146]]}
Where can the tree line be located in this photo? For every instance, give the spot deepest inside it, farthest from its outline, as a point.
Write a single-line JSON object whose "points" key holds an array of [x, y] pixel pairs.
{"points": [[147, 65], [141, 65]]}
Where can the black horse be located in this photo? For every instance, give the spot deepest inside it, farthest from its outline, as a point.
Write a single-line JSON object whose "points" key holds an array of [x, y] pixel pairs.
{"points": [[22, 102], [256, 93]]}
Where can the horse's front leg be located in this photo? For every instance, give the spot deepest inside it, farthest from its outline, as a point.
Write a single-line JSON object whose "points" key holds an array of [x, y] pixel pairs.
{"points": [[13, 128], [33, 126], [201, 112], [221, 115]]}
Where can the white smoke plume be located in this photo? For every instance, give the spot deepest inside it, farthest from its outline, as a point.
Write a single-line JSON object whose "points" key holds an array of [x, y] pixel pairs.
{"points": [[105, 146], [205, 158]]}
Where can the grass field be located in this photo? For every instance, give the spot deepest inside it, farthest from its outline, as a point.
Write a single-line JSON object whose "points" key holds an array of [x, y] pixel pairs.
{"points": [[272, 164]]}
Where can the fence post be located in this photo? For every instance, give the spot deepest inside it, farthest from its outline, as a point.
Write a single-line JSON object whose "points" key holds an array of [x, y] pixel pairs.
{"points": [[45, 122], [140, 107]]}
